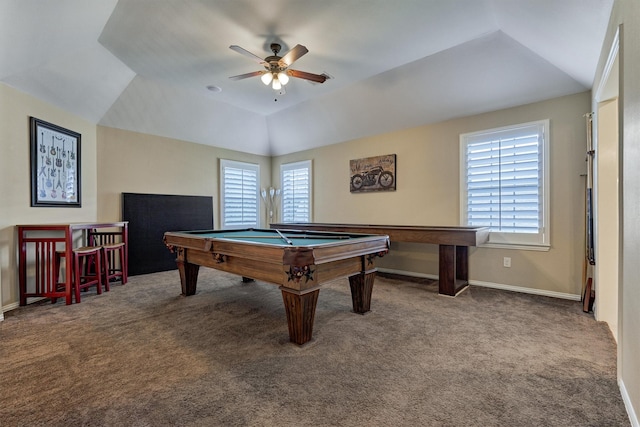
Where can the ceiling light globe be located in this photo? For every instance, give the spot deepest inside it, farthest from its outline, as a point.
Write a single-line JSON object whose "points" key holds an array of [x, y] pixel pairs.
{"points": [[283, 78], [266, 78], [276, 85]]}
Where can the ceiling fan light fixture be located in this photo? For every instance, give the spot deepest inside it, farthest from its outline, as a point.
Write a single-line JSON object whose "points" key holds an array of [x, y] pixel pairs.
{"points": [[283, 78], [276, 70], [266, 78]]}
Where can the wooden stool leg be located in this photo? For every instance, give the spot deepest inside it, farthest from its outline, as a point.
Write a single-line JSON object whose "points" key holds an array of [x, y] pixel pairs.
{"points": [[113, 254], [56, 269], [76, 276], [122, 265], [105, 267], [98, 272], [84, 277]]}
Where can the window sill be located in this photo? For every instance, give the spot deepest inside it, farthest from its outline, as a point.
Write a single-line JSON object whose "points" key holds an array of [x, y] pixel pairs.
{"points": [[517, 246]]}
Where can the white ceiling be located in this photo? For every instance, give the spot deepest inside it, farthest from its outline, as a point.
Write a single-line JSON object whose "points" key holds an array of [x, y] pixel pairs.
{"points": [[144, 65]]}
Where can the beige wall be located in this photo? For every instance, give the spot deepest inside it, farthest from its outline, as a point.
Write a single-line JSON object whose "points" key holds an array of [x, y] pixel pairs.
{"points": [[428, 194], [129, 162], [15, 197], [427, 182], [626, 17], [132, 162]]}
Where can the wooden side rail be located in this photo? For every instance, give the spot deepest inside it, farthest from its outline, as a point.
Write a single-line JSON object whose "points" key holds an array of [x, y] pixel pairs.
{"points": [[453, 242]]}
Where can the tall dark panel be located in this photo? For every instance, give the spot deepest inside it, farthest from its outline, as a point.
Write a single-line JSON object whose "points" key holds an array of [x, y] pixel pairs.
{"points": [[150, 216]]}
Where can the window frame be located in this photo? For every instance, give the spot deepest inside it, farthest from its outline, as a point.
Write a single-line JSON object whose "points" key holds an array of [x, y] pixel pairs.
{"points": [[303, 164], [224, 163], [540, 241]]}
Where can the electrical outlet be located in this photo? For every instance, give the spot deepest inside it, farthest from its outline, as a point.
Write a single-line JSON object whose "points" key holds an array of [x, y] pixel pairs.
{"points": [[506, 261]]}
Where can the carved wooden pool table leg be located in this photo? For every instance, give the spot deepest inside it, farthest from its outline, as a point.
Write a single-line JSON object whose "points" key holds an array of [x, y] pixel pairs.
{"points": [[301, 310], [361, 288], [188, 276]]}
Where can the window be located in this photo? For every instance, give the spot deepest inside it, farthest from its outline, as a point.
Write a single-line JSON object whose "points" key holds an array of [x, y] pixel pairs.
{"points": [[296, 191], [504, 183], [239, 194]]}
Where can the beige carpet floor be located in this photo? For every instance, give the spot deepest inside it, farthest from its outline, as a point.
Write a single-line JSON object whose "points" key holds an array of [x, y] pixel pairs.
{"points": [[143, 355]]}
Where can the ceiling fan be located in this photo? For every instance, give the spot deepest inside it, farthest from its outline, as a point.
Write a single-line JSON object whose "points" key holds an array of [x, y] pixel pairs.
{"points": [[277, 71]]}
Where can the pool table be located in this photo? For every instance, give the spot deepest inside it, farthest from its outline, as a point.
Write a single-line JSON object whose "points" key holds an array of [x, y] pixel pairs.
{"points": [[298, 261]]}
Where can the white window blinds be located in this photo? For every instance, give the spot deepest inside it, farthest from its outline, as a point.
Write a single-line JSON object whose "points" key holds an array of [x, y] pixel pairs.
{"points": [[504, 181], [239, 194], [296, 191]]}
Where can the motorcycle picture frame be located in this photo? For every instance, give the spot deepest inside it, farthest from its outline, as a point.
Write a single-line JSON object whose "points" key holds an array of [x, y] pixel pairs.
{"points": [[376, 173]]}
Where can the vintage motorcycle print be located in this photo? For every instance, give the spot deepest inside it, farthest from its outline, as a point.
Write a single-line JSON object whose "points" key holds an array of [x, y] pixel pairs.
{"points": [[373, 174], [373, 177]]}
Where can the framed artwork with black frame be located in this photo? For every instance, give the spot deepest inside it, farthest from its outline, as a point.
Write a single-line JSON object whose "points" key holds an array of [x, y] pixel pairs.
{"points": [[55, 165]]}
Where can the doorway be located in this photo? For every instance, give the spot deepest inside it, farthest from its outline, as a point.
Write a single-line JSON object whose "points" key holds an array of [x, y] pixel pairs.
{"points": [[607, 202]]}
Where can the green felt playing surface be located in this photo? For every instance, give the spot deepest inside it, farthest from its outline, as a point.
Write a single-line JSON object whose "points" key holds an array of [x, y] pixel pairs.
{"points": [[272, 237]]}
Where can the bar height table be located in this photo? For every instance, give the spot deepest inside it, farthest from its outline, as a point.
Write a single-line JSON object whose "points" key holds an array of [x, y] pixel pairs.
{"points": [[43, 241]]}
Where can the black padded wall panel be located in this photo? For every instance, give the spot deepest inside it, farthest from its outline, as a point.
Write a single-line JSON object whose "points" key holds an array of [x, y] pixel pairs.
{"points": [[150, 216]]}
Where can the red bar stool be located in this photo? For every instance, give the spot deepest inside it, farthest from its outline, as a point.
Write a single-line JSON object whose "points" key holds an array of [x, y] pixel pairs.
{"points": [[87, 265], [112, 269]]}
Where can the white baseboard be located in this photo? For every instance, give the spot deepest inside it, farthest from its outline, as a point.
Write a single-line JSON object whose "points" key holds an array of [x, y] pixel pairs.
{"points": [[553, 294], [15, 305], [633, 417], [10, 307]]}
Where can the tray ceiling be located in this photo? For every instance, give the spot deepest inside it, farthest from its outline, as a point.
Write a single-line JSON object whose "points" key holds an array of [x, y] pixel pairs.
{"points": [[145, 65]]}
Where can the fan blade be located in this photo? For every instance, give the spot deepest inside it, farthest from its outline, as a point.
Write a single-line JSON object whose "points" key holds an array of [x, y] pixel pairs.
{"points": [[318, 78], [247, 54], [247, 75], [293, 55]]}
